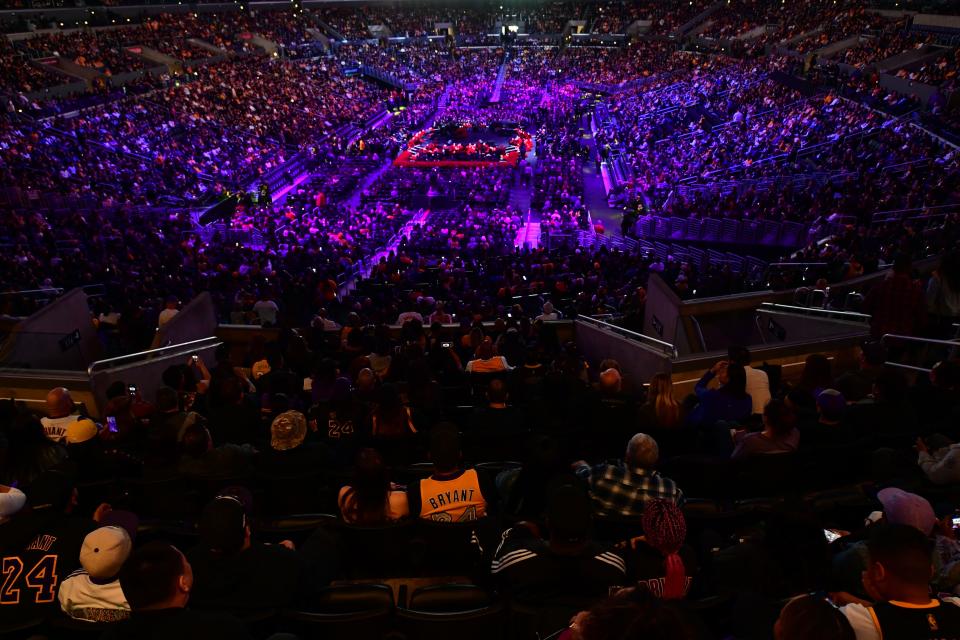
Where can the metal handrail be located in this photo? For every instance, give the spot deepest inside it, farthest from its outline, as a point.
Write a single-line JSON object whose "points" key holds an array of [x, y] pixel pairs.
{"points": [[203, 343], [949, 343], [770, 306], [632, 334]]}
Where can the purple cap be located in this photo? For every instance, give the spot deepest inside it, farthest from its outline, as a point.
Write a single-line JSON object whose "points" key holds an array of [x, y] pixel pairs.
{"points": [[901, 507]]}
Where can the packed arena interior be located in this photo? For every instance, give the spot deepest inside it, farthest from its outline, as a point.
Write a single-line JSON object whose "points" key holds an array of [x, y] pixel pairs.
{"points": [[581, 320]]}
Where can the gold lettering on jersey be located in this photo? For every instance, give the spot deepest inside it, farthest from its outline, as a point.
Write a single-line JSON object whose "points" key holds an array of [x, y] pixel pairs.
{"points": [[42, 543]]}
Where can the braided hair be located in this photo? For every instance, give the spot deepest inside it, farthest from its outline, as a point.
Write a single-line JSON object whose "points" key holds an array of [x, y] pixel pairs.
{"points": [[665, 530]]}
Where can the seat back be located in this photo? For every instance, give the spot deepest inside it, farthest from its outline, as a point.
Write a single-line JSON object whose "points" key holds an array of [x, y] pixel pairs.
{"points": [[453, 547], [344, 612], [448, 598], [475, 624], [380, 551]]}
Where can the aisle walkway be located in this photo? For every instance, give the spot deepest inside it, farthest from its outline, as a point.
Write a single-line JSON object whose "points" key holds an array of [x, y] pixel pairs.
{"points": [[594, 190]]}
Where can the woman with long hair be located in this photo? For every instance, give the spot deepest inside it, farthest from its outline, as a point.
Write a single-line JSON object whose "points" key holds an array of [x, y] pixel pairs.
{"points": [[370, 498], [662, 407], [391, 418]]}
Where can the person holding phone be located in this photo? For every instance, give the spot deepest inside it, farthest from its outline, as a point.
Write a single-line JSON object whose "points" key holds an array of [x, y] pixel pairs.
{"points": [[729, 402]]}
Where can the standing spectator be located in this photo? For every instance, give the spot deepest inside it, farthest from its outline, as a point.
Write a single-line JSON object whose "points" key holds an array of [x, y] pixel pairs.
{"points": [[157, 581], [266, 310], [943, 295], [623, 488], [170, 309], [896, 305], [60, 413]]}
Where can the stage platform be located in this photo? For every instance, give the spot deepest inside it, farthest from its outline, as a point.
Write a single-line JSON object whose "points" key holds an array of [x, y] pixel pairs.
{"points": [[465, 144]]}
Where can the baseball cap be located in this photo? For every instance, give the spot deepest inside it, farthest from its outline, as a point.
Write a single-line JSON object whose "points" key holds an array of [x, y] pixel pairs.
{"points": [[831, 402], [569, 514], [288, 430], [104, 551], [260, 368], [902, 507], [222, 525], [81, 431], [11, 502]]}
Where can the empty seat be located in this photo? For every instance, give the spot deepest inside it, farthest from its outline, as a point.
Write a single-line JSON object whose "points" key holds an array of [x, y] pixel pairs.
{"points": [[346, 612], [463, 611]]}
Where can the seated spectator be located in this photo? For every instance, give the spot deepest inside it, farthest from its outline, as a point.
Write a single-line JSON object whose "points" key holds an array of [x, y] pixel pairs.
{"points": [[60, 413], [45, 539], [728, 403], [94, 593], [525, 490], [758, 384], [157, 581], [391, 418], [12, 501], [829, 426], [623, 488], [166, 426], [899, 508], [632, 614], [497, 417], [289, 454], [660, 561], [93, 458], [230, 570], [486, 360], [817, 375], [567, 564], [370, 498], [897, 580], [810, 616], [450, 494], [661, 410], [857, 385], [30, 452], [779, 435], [201, 458]]}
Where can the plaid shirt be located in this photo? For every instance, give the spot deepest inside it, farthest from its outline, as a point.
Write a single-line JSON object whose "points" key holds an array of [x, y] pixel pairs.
{"points": [[620, 491]]}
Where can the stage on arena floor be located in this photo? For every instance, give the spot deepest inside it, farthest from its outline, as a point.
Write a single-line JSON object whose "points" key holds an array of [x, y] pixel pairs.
{"points": [[466, 144]]}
